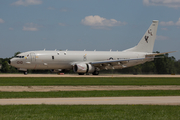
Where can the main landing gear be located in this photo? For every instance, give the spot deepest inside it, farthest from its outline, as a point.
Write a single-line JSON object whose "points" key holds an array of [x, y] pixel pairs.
{"points": [[95, 73], [25, 72], [81, 73]]}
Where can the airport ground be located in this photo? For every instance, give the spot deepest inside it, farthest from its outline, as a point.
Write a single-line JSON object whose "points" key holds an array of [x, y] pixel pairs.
{"points": [[75, 75], [90, 85], [164, 107]]}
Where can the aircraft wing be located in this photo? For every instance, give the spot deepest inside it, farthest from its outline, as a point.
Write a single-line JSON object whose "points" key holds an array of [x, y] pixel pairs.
{"points": [[122, 62], [113, 62]]}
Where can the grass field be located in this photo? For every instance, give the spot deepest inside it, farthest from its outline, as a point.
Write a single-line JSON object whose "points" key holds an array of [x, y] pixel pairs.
{"points": [[89, 93], [87, 81], [89, 112]]}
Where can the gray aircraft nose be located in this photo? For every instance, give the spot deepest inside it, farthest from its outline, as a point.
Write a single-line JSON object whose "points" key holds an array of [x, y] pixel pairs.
{"points": [[11, 62]]}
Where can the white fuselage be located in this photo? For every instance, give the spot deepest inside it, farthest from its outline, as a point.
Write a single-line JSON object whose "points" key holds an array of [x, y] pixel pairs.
{"points": [[66, 59]]}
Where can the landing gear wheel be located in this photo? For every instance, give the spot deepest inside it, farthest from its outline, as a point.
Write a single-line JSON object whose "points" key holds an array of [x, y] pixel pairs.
{"points": [[25, 72], [81, 73], [95, 73]]}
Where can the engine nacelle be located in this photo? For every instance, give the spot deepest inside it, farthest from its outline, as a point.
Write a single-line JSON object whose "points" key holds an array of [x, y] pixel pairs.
{"points": [[83, 68]]}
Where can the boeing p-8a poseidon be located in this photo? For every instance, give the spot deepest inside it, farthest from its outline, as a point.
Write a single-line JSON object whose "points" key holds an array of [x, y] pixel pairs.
{"points": [[85, 62]]}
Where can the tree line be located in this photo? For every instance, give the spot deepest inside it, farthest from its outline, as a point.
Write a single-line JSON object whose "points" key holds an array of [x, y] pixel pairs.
{"points": [[161, 65]]}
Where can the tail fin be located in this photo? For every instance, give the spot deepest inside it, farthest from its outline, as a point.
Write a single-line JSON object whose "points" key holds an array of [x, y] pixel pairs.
{"points": [[146, 44]]}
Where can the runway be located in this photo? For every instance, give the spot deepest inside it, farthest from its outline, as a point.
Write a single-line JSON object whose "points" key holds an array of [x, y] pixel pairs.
{"points": [[75, 75], [84, 88], [163, 100]]}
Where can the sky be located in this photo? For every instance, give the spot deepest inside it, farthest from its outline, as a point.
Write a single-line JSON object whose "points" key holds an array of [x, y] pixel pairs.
{"points": [[101, 25]]}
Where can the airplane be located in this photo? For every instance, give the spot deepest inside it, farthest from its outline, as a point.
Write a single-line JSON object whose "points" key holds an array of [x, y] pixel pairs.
{"points": [[89, 62]]}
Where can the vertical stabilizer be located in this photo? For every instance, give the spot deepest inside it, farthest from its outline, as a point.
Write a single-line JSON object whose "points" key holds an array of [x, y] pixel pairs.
{"points": [[146, 44]]}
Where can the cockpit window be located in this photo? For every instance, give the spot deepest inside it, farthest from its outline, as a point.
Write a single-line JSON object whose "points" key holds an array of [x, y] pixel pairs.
{"points": [[19, 56]]}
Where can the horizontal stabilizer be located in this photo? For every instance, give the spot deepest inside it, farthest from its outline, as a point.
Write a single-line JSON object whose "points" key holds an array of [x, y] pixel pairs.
{"points": [[154, 54]]}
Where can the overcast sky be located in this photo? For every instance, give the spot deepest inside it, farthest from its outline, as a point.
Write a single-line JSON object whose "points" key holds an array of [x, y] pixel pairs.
{"points": [[27, 25]]}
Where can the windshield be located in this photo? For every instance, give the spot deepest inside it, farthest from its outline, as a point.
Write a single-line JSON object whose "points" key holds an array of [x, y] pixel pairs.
{"points": [[19, 56]]}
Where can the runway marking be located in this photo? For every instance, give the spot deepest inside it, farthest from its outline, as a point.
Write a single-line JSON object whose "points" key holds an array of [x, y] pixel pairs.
{"points": [[167, 100]]}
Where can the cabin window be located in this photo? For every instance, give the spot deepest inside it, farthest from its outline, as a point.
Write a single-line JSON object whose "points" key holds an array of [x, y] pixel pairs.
{"points": [[53, 57]]}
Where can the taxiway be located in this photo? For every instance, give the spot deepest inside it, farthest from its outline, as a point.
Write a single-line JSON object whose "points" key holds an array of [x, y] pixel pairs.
{"points": [[163, 100], [85, 88]]}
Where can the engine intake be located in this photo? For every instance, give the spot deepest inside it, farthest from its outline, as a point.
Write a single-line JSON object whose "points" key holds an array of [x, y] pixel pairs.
{"points": [[83, 68]]}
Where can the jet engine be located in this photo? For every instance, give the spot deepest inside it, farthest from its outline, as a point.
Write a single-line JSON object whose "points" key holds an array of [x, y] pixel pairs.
{"points": [[83, 68]]}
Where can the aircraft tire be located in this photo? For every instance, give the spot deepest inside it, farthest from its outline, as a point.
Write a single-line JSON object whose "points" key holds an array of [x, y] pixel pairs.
{"points": [[95, 73], [25, 72], [81, 73]]}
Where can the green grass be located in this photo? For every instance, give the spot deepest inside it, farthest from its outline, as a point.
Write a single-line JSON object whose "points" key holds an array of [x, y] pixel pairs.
{"points": [[89, 93], [86, 81], [89, 112]]}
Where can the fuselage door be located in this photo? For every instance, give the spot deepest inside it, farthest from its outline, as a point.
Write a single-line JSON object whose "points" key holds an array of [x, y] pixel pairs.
{"points": [[33, 57], [28, 58]]}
